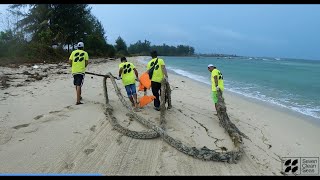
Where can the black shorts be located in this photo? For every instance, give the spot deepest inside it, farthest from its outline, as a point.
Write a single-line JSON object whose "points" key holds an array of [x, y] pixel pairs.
{"points": [[78, 79]]}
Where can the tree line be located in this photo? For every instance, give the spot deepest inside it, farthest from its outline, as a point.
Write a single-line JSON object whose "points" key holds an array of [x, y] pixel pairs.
{"points": [[50, 31], [144, 49]]}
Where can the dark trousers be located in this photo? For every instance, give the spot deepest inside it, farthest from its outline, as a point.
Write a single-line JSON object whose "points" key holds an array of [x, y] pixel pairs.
{"points": [[156, 87]]}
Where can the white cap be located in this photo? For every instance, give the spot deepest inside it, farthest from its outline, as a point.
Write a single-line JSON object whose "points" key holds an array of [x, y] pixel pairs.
{"points": [[210, 65], [80, 45]]}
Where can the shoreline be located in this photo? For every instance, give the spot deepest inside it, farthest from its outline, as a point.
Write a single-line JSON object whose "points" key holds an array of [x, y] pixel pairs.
{"points": [[276, 107], [309, 118]]}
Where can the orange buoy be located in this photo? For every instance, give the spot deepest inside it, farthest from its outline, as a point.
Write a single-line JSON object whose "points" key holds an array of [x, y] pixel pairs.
{"points": [[144, 100], [145, 81]]}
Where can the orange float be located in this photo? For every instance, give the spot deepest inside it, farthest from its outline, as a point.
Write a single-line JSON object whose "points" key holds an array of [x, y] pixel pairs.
{"points": [[145, 81], [144, 100]]}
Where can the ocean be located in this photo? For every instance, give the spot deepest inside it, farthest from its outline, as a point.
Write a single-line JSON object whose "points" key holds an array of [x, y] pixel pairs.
{"points": [[290, 83]]}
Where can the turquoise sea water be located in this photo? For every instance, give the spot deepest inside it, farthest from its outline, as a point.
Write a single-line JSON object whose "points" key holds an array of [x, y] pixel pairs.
{"points": [[290, 83]]}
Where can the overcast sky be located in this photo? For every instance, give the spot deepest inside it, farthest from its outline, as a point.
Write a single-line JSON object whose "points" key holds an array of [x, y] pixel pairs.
{"points": [[250, 30]]}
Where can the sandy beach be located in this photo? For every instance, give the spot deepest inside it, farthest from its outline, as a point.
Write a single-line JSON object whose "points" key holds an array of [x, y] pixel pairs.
{"points": [[43, 131]]}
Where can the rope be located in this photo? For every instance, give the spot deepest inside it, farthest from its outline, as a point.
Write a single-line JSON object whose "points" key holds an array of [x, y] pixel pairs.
{"points": [[155, 131]]}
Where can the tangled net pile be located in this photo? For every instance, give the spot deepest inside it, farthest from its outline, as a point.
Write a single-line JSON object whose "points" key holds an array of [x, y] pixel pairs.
{"points": [[155, 131]]}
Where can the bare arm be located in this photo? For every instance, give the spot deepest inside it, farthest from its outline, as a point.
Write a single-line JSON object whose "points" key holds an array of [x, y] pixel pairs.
{"points": [[70, 59], [164, 69], [136, 72], [120, 72], [216, 80]]}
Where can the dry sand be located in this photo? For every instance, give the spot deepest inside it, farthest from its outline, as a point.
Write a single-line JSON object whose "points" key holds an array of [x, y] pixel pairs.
{"points": [[43, 131]]}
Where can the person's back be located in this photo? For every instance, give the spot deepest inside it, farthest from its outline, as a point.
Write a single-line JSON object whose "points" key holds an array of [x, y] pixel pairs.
{"points": [[79, 58], [128, 76], [216, 72], [157, 72]]}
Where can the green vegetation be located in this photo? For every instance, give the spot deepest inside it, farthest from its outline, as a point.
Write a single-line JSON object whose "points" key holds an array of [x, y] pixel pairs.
{"points": [[144, 48], [49, 32], [121, 47]]}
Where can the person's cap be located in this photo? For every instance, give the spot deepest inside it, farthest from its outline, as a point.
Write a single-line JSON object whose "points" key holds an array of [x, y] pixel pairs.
{"points": [[210, 65], [80, 45]]}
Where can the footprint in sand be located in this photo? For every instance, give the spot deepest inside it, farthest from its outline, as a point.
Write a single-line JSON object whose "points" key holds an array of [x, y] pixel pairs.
{"points": [[97, 103], [69, 107], [63, 115], [168, 154], [54, 112], [32, 129], [90, 150], [48, 119], [5, 135], [164, 149], [170, 130], [68, 165], [53, 117], [145, 113], [93, 128], [21, 126], [38, 117], [119, 141]]}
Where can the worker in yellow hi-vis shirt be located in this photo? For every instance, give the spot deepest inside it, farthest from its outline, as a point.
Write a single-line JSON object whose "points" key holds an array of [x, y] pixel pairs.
{"points": [[159, 72], [217, 83], [78, 61], [129, 76]]}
